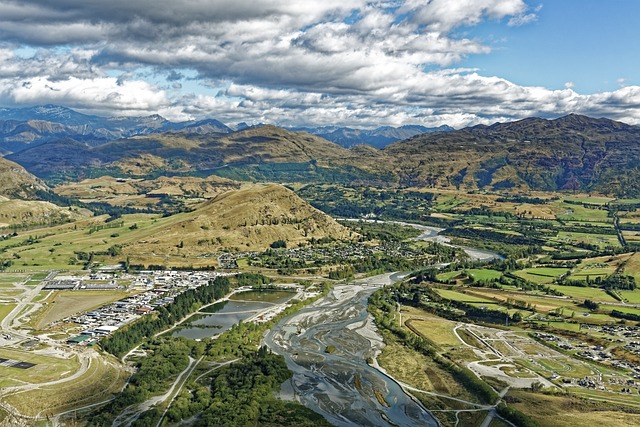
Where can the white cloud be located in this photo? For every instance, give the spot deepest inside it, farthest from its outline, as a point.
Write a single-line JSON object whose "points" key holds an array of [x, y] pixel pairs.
{"points": [[106, 94], [349, 62]]}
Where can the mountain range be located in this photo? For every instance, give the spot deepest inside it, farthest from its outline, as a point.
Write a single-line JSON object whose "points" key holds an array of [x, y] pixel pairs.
{"points": [[379, 137], [30, 126], [569, 153], [24, 127]]}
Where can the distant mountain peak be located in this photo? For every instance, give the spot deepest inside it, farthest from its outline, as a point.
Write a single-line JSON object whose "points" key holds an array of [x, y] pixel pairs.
{"points": [[379, 137], [23, 127]]}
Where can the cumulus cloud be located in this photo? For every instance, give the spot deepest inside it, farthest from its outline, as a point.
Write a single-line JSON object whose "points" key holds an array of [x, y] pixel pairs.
{"points": [[351, 62]]}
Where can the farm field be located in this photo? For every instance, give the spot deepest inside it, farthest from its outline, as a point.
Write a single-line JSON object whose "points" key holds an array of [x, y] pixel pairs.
{"points": [[632, 297], [590, 200], [580, 213], [608, 308], [582, 293], [462, 296], [434, 328], [541, 303], [542, 275], [484, 274], [593, 269], [601, 240]]}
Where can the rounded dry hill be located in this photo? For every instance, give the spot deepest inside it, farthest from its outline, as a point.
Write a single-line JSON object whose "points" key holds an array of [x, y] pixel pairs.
{"points": [[106, 187], [27, 212], [16, 182], [250, 218]]}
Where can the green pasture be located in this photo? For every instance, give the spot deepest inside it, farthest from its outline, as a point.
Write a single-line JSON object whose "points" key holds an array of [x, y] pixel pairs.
{"points": [[580, 293], [632, 297], [541, 275], [5, 309], [591, 200], [459, 296], [600, 240], [630, 217], [484, 274], [447, 275], [581, 213]]}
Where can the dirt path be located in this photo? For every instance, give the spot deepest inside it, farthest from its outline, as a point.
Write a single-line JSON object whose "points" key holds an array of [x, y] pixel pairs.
{"points": [[131, 414]]}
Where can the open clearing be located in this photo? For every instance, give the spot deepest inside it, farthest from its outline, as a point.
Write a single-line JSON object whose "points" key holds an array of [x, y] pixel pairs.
{"points": [[542, 275], [67, 303], [582, 293], [6, 309], [436, 329], [482, 274], [99, 382], [556, 411], [47, 368]]}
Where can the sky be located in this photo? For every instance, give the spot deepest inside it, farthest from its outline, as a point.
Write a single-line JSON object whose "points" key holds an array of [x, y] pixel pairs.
{"points": [[350, 63]]}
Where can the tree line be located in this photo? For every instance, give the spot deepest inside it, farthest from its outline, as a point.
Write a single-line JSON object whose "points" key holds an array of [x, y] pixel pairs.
{"points": [[124, 339]]}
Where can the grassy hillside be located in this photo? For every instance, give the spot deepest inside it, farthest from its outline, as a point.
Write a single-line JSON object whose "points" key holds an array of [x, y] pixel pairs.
{"points": [[16, 182], [28, 213], [142, 193], [573, 153], [250, 218], [570, 153]]}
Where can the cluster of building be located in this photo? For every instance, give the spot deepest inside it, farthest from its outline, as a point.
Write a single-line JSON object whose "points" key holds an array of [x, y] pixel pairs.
{"points": [[158, 288], [598, 353], [89, 281], [317, 256]]}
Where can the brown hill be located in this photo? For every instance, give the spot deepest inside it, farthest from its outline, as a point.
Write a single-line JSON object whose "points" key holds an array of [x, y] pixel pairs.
{"points": [[171, 153], [107, 188], [30, 212], [16, 182], [250, 218], [569, 153]]}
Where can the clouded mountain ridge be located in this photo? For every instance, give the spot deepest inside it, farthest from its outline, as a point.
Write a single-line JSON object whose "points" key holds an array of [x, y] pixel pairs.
{"points": [[571, 153], [23, 127], [379, 137]]}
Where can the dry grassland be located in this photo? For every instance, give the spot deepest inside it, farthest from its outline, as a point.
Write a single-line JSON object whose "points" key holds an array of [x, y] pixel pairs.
{"points": [[63, 304]]}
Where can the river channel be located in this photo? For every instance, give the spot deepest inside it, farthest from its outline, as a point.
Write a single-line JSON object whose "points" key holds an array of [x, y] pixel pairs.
{"points": [[327, 346]]}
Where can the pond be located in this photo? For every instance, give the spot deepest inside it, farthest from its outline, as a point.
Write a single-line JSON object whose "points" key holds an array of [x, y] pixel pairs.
{"points": [[223, 315]]}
